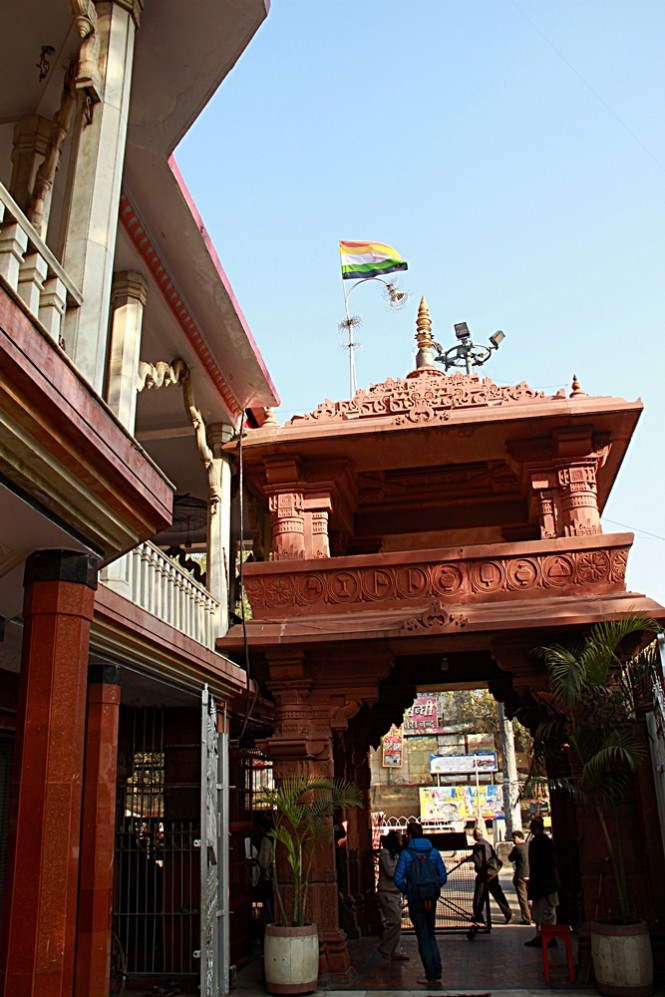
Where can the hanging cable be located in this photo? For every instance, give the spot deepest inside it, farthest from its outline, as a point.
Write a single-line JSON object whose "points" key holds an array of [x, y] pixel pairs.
{"points": [[249, 706]]}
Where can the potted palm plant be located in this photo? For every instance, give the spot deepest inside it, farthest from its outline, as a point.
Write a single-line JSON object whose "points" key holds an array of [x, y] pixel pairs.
{"points": [[596, 691], [302, 808]]}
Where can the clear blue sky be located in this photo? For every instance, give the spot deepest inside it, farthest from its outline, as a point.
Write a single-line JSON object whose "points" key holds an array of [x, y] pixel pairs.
{"points": [[513, 152]]}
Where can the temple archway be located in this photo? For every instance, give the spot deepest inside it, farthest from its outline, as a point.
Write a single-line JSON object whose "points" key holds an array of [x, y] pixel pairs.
{"points": [[433, 515]]}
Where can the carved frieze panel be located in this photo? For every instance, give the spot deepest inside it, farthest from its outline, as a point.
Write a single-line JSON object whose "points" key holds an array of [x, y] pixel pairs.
{"points": [[464, 579], [421, 399]]}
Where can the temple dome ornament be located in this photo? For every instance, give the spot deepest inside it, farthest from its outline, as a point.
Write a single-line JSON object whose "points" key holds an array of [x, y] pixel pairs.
{"points": [[427, 347]]}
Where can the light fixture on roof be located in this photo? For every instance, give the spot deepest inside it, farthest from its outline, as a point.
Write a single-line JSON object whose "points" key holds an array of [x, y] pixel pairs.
{"points": [[468, 354]]}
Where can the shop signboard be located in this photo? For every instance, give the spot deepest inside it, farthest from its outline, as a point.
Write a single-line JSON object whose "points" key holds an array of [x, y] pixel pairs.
{"points": [[462, 764], [461, 803], [392, 748], [423, 717]]}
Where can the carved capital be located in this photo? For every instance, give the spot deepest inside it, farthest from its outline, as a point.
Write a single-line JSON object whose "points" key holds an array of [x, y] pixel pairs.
{"points": [[128, 285], [133, 7]]}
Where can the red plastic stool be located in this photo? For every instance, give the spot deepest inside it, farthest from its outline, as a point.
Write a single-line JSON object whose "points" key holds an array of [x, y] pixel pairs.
{"points": [[564, 932]]}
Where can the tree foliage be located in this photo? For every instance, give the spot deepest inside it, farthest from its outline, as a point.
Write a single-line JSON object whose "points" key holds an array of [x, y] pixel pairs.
{"points": [[474, 711]]}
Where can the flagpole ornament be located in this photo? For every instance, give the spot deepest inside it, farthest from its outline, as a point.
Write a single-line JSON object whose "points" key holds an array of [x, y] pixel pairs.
{"points": [[362, 262]]}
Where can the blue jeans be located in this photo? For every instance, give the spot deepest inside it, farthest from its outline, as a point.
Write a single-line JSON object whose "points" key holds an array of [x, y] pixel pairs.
{"points": [[423, 919]]}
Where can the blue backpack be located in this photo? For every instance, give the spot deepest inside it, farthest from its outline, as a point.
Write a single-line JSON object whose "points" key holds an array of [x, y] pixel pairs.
{"points": [[423, 881]]}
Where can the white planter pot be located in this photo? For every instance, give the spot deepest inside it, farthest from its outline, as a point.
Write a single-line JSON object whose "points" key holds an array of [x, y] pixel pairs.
{"points": [[291, 959], [622, 959]]}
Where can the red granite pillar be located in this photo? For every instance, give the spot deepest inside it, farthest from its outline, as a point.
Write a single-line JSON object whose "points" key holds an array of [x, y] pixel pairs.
{"points": [[38, 939], [93, 950]]}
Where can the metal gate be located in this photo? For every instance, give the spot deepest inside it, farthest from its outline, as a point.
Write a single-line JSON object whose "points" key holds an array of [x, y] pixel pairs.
{"points": [[214, 853], [156, 912], [454, 910], [157, 862]]}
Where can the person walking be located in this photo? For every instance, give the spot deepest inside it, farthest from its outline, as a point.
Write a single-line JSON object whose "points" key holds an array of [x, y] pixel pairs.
{"points": [[420, 874], [389, 900], [543, 888], [487, 866], [519, 856]]}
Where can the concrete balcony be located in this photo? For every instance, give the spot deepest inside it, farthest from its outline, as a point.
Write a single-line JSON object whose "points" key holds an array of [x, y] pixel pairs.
{"points": [[160, 586], [32, 271]]}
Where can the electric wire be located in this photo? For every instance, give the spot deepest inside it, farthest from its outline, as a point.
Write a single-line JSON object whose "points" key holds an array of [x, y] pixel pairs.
{"points": [[635, 529], [249, 706], [588, 86]]}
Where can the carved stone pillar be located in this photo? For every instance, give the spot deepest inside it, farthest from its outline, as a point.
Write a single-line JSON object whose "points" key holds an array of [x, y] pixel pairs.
{"points": [[318, 510], [579, 498], [302, 744], [31, 139], [220, 565], [288, 526], [128, 300], [97, 159]]}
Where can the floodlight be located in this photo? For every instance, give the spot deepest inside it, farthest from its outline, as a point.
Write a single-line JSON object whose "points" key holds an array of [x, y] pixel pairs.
{"points": [[497, 339], [462, 330]]}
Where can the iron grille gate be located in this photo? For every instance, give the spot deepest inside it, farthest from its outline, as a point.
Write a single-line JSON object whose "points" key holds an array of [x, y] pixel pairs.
{"points": [[214, 853], [157, 888], [157, 917]]}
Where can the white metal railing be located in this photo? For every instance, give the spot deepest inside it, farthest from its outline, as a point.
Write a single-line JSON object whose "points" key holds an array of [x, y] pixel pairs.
{"points": [[160, 586], [31, 269]]}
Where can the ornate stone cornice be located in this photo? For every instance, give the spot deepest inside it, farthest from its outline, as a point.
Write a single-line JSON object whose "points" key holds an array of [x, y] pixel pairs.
{"points": [[424, 397]]}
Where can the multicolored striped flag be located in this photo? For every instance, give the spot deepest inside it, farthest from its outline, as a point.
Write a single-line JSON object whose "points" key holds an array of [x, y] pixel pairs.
{"points": [[369, 259]]}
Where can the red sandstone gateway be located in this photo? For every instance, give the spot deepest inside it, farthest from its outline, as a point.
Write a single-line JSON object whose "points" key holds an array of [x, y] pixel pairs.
{"points": [[435, 515]]}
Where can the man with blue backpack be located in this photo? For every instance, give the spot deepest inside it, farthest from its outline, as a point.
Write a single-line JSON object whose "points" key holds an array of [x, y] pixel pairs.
{"points": [[420, 874]]}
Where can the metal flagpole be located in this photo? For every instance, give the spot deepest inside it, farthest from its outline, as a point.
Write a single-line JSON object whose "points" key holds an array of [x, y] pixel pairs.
{"points": [[351, 345], [396, 298]]}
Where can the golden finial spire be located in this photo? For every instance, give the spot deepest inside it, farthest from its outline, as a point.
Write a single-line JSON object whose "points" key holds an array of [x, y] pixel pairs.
{"points": [[423, 323], [427, 348], [270, 419]]}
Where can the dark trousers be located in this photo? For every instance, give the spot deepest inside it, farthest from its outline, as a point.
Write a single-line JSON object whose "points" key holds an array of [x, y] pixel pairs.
{"points": [[493, 887], [423, 919], [521, 891]]}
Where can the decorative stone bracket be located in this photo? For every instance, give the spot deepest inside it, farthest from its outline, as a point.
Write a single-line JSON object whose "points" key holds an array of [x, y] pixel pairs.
{"points": [[162, 374]]}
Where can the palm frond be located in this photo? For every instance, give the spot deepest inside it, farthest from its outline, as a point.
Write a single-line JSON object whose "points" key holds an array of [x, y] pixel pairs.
{"points": [[566, 672], [587, 728], [302, 807]]}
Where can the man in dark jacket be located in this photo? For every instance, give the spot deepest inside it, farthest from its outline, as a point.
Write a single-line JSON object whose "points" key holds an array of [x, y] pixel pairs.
{"points": [[422, 912], [543, 879], [487, 879], [519, 856]]}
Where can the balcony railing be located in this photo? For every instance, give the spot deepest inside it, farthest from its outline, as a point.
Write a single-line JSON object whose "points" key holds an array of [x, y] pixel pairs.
{"points": [[156, 583], [31, 269]]}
